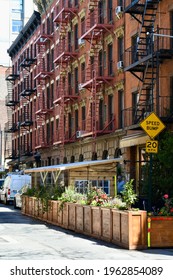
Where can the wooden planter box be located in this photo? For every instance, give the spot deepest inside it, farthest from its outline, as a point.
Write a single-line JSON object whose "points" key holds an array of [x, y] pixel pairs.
{"points": [[128, 229], [160, 232]]}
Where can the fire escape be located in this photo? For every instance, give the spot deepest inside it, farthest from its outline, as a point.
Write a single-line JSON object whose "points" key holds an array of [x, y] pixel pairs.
{"points": [[143, 58], [95, 77], [65, 53], [28, 88], [44, 73], [11, 100]]}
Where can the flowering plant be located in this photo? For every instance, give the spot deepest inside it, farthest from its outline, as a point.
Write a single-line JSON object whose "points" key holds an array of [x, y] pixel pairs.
{"points": [[96, 197], [167, 209]]}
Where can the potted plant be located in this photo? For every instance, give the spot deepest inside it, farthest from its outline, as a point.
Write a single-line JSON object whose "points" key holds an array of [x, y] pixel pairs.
{"points": [[160, 224], [97, 215]]}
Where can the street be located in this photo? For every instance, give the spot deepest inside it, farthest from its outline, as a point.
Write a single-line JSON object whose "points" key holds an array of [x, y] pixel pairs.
{"points": [[24, 238]]}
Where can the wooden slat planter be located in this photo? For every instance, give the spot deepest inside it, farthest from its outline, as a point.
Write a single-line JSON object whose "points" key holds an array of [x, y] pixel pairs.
{"points": [[160, 232], [80, 218], [106, 221], [55, 208], [71, 216], [127, 229]]}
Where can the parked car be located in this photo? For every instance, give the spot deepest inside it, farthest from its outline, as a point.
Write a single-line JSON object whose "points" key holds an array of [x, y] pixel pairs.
{"points": [[12, 184], [1, 186], [18, 196]]}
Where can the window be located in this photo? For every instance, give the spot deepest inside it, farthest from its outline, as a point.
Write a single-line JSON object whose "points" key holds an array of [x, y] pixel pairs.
{"points": [[76, 80], [76, 120], [110, 11], [52, 95], [110, 60], [17, 5], [120, 108], [83, 118], [120, 48], [76, 36], [101, 63], [17, 26], [135, 97], [52, 59], [48, 98], [134, 48], [69, 42], [70, 125], [82, 186], [101, 11], [82, 26], [69, 83], [101, 114], [83, 72], [120, 2], [110, 111]]}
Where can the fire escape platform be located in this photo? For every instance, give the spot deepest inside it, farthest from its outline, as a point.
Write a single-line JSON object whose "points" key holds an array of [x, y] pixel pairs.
{"points": [[12, 77], [43, 75], [95, 30], [139, 65], [43, 111], [66, 99], [43, 38], [26, 123], [27, 62], [65, 56], [11, 103], [99, 80], [134, 8], [27, 92], [66, 11]]}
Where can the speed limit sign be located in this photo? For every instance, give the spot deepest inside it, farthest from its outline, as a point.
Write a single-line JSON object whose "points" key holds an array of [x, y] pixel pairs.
{"points": [[152, 146]]}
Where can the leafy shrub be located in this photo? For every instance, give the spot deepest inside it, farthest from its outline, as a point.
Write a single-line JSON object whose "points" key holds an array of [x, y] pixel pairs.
{"points": [[128, 194], [116, 203], [166, 209]]}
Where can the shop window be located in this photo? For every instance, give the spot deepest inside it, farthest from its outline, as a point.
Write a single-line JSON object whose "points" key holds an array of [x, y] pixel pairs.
{"points": [[83, 186]]}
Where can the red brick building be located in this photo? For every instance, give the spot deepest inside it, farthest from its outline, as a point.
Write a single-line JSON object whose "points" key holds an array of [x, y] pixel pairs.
{"points": [[85, 74]]}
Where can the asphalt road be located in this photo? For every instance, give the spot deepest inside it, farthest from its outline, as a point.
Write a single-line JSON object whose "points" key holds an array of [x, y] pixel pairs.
{"points": [[24, 238]]}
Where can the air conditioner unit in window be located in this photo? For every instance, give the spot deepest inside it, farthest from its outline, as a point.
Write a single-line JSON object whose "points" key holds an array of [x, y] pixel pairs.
{"points": [[80, 87], [81, 41], [118, 10], [120, 65], [79, 133], [42, 40]]}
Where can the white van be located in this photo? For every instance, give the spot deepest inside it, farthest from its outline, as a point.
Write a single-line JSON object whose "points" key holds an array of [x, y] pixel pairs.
{"points": [[12, 184]]}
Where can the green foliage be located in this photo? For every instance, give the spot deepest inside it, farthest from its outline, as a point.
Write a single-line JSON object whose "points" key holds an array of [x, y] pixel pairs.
{"points": [[94, 197], [42, 4], [30, 191], [128, 194], [162, 175], [45, 193], [70, 195], [115, 203], [167, 209]]}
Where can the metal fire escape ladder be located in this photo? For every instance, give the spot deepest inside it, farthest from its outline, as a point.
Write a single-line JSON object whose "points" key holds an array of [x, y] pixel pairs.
{"points": [[144, 54], [145, 48]]}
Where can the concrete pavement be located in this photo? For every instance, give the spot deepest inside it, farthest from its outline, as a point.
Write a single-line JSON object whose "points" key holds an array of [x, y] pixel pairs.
{"points": [[24, 238]]}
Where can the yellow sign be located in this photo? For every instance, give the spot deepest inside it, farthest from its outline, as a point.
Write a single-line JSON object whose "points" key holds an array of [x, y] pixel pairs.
{"points": [[152, 146], [152, 125]]}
